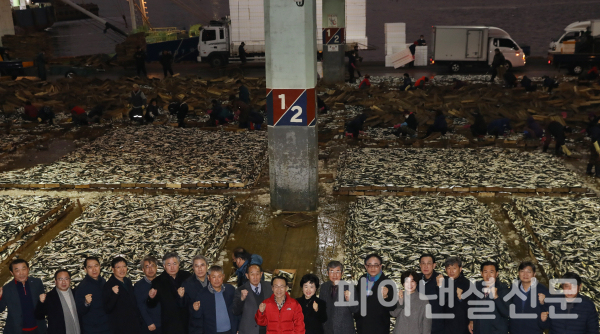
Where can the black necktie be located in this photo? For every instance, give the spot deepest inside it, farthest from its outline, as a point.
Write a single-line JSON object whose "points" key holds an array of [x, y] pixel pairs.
{"points": [[256, 290]]}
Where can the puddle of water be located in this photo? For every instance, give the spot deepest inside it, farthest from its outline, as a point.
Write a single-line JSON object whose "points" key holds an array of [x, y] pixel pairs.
{"points": [[41, 154]]}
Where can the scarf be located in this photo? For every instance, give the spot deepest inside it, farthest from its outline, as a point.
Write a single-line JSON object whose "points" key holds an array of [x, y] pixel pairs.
{"points": [[71, 321]]}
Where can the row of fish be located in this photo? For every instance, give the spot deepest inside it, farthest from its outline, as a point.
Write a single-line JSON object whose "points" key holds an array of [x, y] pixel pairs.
{"points": [[135, 226], [568, 229], [401, 229], [431, 167], [17, 214], [155, 155]]}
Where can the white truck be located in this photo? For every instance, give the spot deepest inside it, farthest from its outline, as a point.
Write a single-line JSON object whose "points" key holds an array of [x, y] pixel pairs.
{"points": [[468, 46], [578, 48]]}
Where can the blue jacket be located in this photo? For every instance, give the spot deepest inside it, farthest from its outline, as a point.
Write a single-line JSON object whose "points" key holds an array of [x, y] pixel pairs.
{"points": [[440, 122], [431, 288], [149, 315], [205, 319], [92, 318], [586, 322], [241, 272], [10, 298], [502, 125], [529, 326]]}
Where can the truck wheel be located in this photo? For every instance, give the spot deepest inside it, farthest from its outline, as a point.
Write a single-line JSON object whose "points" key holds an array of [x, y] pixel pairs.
{"points": [[70, 74], [577, 69], [455, 67], [508, 65], [217, 61]]}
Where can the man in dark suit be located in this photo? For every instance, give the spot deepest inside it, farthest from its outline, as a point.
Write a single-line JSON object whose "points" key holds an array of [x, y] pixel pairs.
{"points": [[59, 306], [377, 317], [454, 285], [493, 293], [21, 296], [167, 290], [339, 318], [211, 312], [248, 297]]}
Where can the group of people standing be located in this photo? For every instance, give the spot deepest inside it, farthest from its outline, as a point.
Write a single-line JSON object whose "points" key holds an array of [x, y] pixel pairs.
{"points": [[177, 301]]}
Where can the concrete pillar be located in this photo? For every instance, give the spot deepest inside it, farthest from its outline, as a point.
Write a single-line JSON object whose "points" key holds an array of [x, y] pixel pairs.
{"points": [[291, 52], [7, 26], [334, 41]]}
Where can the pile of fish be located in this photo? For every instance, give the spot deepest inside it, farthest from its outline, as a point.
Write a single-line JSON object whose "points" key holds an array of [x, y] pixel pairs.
{"points": [[18, 214], [568, 230], [401, 229], [135, 226], [10, 142], [155, 155], [429, 167]]}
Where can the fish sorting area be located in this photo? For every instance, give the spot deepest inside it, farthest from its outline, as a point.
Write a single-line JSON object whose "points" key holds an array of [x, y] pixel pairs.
{"points": [[156, 188]]}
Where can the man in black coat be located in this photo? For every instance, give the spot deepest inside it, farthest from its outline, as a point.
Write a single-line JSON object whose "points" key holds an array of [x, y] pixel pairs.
{"points": [[339, 318], [428, 286], [40, 61], [355, 126], [58, 306], [458, 284], [242, 53], [140, 61], [88, 299], [21, 296], [166, 60], [498, 61], [119, 300], [556, 130], [492, 292], [584, 317], [376, 319], [167, 290]]}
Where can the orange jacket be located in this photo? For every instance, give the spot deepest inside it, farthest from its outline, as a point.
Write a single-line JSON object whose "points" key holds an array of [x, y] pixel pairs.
{"points": [[289, 320]]}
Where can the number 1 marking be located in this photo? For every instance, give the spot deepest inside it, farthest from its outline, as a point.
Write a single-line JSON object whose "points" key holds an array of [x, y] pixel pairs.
{"points": [[282, 98], [296, 118], [328, 33]]}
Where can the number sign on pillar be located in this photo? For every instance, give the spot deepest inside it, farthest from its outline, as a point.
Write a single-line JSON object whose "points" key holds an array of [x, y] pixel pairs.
{"points": [[334, 36], [291, 107]]}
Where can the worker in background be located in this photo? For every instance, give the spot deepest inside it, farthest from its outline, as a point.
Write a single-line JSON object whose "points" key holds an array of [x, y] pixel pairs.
{"points": [[439, 124], [413, 48], [244, 93], [182, 111], [138, 101], [498, 65], [46, 114], [499, 127], [352, 67], [218, 114], [30, 112], [166, 60], [40, 61], [406, 82], [140, 61], [409, 127], [421, 41], [556, 130], [241, 110], [256, 119], [420, 84], [355, 126], [151, 111], [321, 106], [242, 53], [479, 127], [592, 74], [533, 129], [358, 57], [549, 83], [510, 80], [79, 116], [594, 161], [365, 83], [528, 85]]}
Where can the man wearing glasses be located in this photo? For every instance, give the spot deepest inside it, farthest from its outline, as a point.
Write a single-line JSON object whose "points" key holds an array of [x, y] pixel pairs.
{"points": [[377, 317], [59, 306], [339, 318], [280, 313]]}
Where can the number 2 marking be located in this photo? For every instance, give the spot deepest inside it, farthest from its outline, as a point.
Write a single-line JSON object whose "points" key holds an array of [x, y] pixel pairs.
{"points": [[296, 118], [336, 38]]}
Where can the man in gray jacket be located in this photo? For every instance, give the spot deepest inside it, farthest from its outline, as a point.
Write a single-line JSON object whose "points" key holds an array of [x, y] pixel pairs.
{"points": [[21, 295], [248, 297], [339, 318]]}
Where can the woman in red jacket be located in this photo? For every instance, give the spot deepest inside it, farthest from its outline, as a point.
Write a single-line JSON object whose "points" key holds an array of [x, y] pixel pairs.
{"points": [[281, 314]]}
